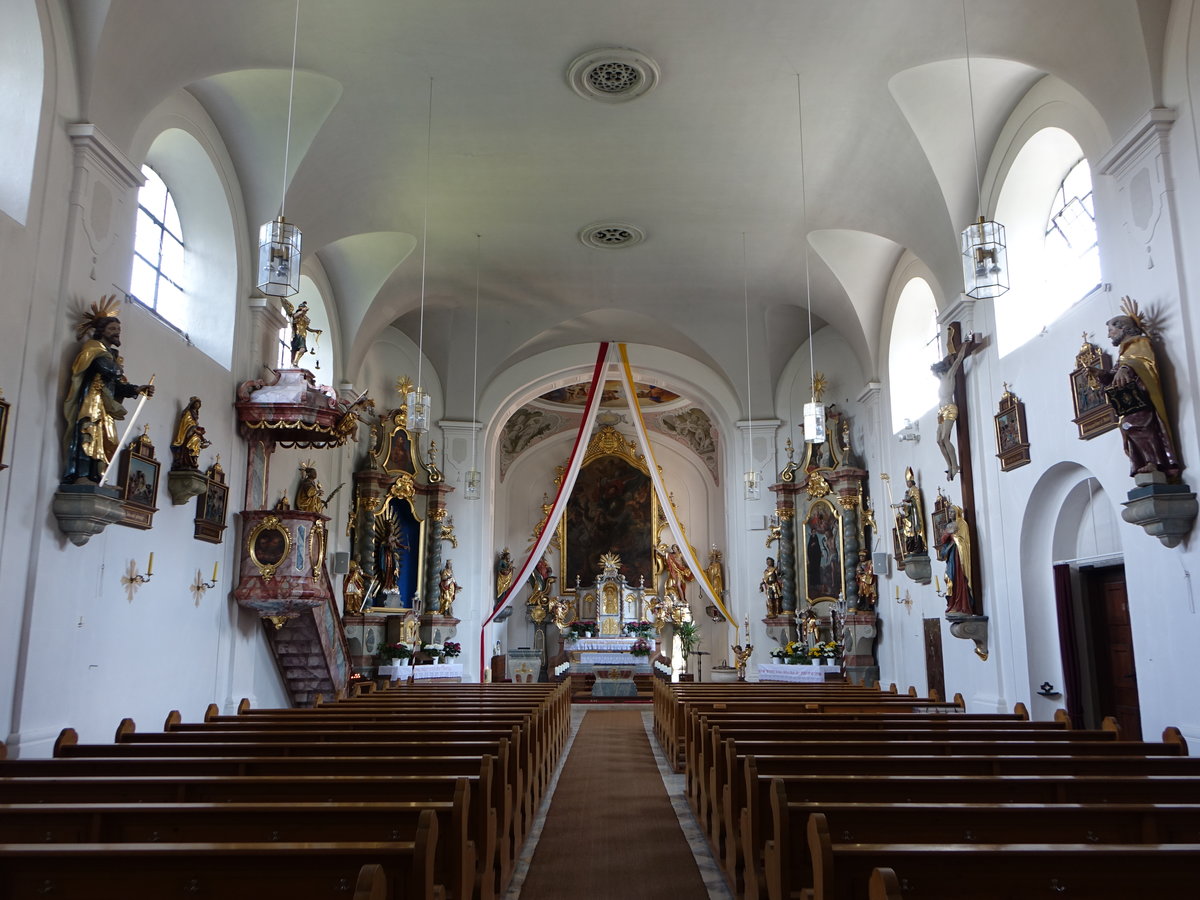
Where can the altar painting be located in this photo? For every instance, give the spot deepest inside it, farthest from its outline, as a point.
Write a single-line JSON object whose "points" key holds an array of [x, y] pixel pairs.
{"points": [[822, 552], [611, 510], [399, 555]]}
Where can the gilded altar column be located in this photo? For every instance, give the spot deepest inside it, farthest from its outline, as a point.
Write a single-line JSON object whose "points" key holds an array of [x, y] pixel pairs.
{"points": [[785, 511]]}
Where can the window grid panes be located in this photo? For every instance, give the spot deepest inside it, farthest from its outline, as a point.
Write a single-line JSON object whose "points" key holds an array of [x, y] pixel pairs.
{"points": [[158, 258], [1072, 248]]}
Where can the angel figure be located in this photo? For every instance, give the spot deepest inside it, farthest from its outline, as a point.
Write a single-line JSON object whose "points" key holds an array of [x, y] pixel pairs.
{"points": [[741, 656], [301, 328]]}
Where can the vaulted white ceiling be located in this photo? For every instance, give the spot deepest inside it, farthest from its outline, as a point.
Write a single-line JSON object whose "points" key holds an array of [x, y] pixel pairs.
{"points": [[706, 163]]}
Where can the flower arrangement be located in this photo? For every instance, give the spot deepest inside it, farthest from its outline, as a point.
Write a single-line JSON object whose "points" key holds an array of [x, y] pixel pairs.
{"points": [[435, 650], [639, 629], [827, 650], [791, 652], [388, 652], [582, 628], [451, 649], [641, 647]]}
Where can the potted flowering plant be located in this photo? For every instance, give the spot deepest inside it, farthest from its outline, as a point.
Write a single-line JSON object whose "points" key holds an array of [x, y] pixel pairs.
{"points": [[451, 649], [641, 647], [639, 629], [821, 652], [387, 653], [434, 650], [791, 653], [583, 628]]}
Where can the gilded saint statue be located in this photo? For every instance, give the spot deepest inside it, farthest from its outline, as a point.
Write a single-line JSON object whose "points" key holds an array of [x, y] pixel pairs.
{"points": [[910, 517], [448, 589], [309, 495], [353, 593], [504, 573], [189, 438], [715, 571], [92, 405], [772, 587], [676, 570], [866, 581]]}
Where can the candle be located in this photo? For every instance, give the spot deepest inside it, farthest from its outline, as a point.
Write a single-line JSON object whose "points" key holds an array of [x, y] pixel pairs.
{"points": [[150, 565], [214, 578], [897, 592], [937, 585]]}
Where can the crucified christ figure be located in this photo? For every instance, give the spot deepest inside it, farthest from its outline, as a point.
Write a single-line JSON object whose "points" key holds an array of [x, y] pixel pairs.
{"points": [[946, 371]]}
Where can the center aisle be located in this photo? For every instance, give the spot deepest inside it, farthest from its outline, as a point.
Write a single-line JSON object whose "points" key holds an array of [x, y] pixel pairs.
{"points": [[611, 831]]}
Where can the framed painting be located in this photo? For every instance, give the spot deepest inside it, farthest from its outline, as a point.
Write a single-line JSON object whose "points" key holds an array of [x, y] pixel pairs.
{"points": [[396, 454], [268, 546], [823, 552], [212, 507], [4, 409], [613, 509], [138, 483], [1012, 440], [1094, 413]]}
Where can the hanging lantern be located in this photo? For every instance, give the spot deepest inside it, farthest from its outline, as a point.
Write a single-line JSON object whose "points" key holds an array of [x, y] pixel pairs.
{"points": [[417, 411], [751, 480], [814, 423], [985, 260], [279, 258], [474, 481]]}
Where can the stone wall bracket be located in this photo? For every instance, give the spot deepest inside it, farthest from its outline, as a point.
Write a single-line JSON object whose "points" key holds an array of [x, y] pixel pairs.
{"points": [[971, 628], [1165, 511]]}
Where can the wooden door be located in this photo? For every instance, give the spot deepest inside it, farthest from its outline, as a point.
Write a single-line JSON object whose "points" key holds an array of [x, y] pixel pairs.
{"points": [[1112, 648], [935, 673]]}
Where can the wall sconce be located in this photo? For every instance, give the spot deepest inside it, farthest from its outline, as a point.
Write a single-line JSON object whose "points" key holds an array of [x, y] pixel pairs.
{"points": [[937, 587], [910, 432], [131, 576], [198, 587], [905, 601]]}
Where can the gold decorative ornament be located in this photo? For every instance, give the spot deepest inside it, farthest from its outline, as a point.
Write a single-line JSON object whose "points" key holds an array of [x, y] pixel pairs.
{"points": [[785, 513], [268, 557], [788, 475], [817, 486], [317, 540]]}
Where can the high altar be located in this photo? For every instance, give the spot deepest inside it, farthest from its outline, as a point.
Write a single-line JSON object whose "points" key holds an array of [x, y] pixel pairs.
{"points": [[611, 602]]}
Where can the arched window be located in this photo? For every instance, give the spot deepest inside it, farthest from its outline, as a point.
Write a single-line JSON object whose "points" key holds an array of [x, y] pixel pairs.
{"points": [[914, 348], [1072, 261], [22, 85], [1054, 260], [158, 251]]}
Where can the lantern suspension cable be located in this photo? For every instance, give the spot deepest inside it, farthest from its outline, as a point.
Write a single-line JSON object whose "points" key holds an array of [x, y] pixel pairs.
{"points": [[751, 475], [814, 410], [472, 491], [985, 256], [418, 398], [279, 240]]}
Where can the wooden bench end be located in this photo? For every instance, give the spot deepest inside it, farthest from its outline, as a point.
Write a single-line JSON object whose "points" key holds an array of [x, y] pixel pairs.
{"points": [[211, 712], [243, 706], [68, 737], [884, 885], [1172, 735], [1021, 711], [173, 719], [371, 884], [124, 727]]}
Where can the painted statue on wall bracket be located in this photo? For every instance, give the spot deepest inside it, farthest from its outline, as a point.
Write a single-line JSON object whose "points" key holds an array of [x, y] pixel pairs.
{"points": [[908, 535], [1134, 388], [772, 588], [954, 549], [93, 403], [1163, 506], [189, 438], [301, 329]]}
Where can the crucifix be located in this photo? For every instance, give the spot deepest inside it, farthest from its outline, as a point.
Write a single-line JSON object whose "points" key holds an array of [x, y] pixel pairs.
{"points": [[952, 396]]}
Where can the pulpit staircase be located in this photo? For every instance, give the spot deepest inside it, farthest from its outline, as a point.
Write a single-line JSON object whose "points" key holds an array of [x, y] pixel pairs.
{"points": [[312, 653]]}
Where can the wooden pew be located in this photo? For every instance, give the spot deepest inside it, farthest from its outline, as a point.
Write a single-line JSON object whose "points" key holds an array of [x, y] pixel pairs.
{"points": [[789, 866], [843, 871], [232, 871], [872, 788], [211, 823]]}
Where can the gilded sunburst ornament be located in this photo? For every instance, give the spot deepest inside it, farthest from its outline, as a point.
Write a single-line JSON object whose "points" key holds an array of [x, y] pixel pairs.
{"points": [[610, 562]]}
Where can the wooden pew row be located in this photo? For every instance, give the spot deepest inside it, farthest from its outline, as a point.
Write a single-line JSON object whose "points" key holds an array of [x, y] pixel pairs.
{"points": [[493, 851], [703, 741], [872, 788], [723, 771], [1001, 871], [510, 770], [789, 865], [496, 833], [391, 870], [454, 869]]}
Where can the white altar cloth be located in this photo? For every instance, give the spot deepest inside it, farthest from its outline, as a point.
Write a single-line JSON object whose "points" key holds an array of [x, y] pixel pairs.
{"points": [[792, 674], [607, 643], [612, 659], [423, 673]]}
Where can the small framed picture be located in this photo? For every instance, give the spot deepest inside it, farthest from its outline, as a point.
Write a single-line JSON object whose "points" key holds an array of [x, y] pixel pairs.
{"points": [[138, 482], [1012, 441], [4, 408], [1094, 412], [212, 506]]}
